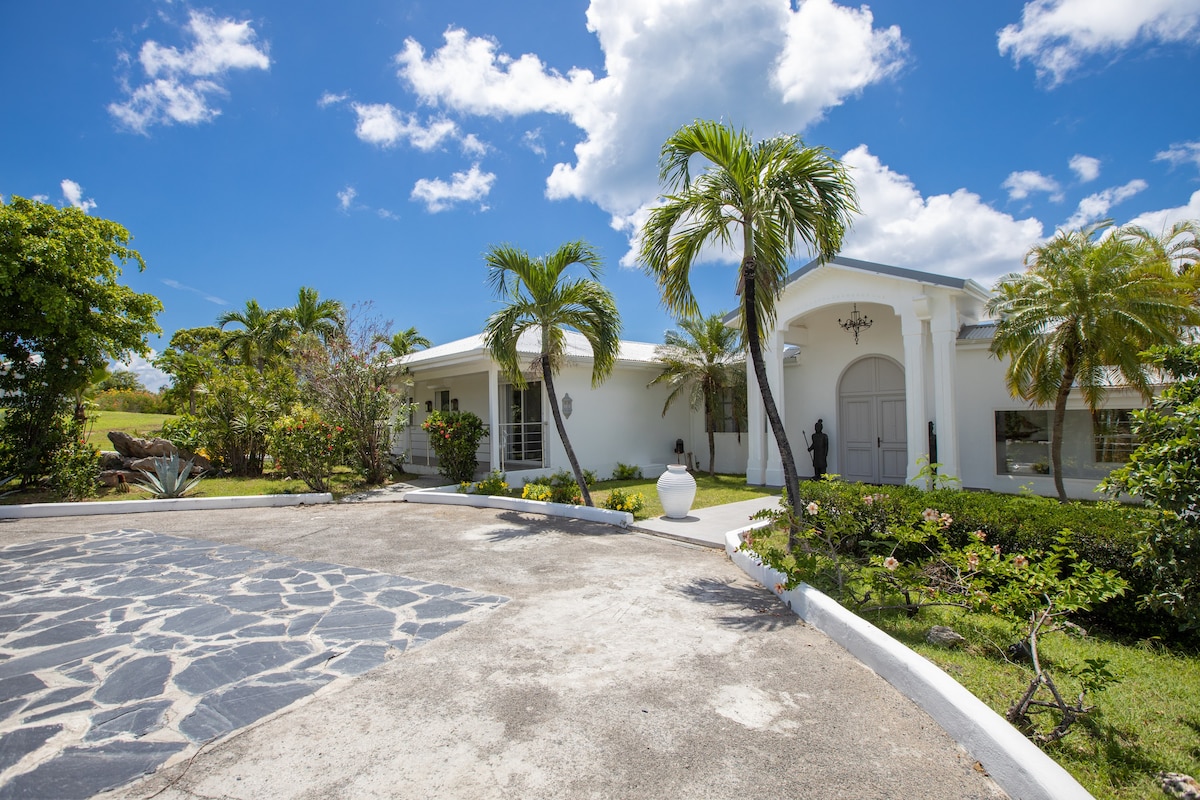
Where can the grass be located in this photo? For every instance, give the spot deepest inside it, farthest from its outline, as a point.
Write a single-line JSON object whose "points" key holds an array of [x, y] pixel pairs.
{"points": [[1146, 722], [714, 491], [140, 425]]}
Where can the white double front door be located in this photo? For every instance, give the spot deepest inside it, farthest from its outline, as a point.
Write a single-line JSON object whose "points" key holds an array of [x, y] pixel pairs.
{"points": [[872, 422]]}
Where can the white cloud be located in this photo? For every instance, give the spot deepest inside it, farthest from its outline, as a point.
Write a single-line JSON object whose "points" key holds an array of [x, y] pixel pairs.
{"points": [[1085, 168], [533, 140], [383, 125], [666, 62], [439, 195], [183, 287], [1095, 207], [331, 99], [151, 376], [1182, 153], [949, 234], [182, 83], [346, 197], [73, 194], [472, 146], [1057, 35], [1024, 183], [1162, 220]]}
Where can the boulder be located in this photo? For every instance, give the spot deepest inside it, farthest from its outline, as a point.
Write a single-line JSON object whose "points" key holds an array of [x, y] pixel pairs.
{"points": [[112, 477], [111, 459], [133, 447], [946, 637]]}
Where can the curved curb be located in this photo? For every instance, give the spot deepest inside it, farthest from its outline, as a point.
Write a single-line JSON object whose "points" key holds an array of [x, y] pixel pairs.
{"points": [[449, 495], [31, 510], [1017, 765]]}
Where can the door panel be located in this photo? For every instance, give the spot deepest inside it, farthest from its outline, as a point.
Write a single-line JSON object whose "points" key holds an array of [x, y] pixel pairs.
{"points": [[858, 432], [893, 440], [873, 423]]}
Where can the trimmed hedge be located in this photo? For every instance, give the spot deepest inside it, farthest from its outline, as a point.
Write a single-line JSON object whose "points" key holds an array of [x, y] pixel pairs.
{"points": [[1107, 534]]}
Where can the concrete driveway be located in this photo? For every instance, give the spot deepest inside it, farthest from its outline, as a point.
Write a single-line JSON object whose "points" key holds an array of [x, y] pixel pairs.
{"points": [[620, 666]]}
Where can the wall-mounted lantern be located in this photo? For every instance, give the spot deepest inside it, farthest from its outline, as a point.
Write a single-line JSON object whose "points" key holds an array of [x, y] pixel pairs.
{"points": [[428, 406], [567, 405], [454, 404]]}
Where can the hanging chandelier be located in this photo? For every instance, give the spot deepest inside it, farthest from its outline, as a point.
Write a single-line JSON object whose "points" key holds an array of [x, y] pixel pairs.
{"points": [[856, 323]]}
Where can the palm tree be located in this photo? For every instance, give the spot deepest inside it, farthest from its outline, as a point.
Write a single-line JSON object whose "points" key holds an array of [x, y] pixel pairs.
{"points": [[260, 340], [779, 194], [1083, 311], [312, 317], [704, 360], [539, 298], [405, 342]]}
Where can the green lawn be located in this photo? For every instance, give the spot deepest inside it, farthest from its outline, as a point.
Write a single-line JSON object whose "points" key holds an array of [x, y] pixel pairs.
{"points": [[141, 425]]}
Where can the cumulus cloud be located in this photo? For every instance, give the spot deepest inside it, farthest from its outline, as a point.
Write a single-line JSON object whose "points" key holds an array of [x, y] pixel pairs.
{"points": [[1085, 168], [760, 64], [1161, 221], [1057, 35], [463, 187], [1182, 153], [331, 99], [950, 234], [1022, 184], [382, 124], [1096, 206], [533, 140], [181, 85], [73, 194], [151, 376], [346, 197]]}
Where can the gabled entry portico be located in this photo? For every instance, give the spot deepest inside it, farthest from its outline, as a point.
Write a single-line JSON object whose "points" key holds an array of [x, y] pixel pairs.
{"points": [[877, 397]]}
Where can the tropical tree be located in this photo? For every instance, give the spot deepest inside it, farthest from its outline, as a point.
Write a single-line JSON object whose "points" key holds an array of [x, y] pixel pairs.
{"points": [[261, 340], [538, 297], [1082, 312], [189, 359], [406, 342], [704, 361], [771, 198], [314, 318]]}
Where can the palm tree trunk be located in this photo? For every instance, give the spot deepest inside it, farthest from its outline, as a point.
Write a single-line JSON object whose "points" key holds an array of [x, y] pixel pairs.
{"points": [[548, 377], [791, 480], [1056, 430]]}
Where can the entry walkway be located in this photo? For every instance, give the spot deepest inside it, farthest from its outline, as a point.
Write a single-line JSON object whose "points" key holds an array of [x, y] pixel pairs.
{"points": [[707, 526]]}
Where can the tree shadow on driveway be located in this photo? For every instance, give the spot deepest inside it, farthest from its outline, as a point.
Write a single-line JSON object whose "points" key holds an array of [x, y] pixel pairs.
{"points": [[752, 609]]}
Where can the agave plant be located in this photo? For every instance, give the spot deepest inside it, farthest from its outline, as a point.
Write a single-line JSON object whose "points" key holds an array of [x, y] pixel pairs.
{"points": [[170, 478]]}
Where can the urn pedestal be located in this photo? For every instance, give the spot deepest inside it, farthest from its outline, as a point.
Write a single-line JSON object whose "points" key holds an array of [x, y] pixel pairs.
{"points": [[676, 491]]}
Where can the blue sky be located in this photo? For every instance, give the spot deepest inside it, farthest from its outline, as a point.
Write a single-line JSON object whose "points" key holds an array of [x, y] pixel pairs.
{"points": [[377, 149]]}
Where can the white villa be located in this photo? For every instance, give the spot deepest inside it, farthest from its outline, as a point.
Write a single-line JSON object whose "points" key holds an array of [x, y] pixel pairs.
{"points": [[894, 361]]}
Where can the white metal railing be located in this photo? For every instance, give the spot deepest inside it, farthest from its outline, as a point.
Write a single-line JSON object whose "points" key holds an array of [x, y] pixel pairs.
{"points": [[522, 444]]}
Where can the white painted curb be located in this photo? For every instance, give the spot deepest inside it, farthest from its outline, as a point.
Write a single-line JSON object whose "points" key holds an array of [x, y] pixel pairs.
{"points": [[31, 510], [450, 496], [1017, 765]]}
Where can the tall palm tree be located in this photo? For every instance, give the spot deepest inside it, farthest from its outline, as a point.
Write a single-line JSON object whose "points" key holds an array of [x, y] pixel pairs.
{"points": [[405, 342], [703, 361], [1083, 311], [260, 340], [313, 317], [539, 297], [779, 195]]}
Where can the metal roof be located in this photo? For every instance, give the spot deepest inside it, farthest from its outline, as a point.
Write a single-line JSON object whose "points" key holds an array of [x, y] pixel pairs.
{"points": [[474, 346]]}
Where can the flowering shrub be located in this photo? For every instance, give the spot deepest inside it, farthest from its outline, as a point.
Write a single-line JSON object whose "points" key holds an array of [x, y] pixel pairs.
{"points": [[537, 491], [308, 447], [493, 484], [621, 500], [561, 485], [454, 437]]}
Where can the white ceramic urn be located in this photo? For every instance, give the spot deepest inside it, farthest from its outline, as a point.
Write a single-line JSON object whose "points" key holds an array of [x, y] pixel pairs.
{"points": [[676, 491]]}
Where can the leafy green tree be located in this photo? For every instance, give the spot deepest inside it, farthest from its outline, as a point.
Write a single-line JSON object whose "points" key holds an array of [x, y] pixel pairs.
{"points": [[261, 341], [704, 361], [191, 355], [771, 198], [540, 299], [314, 318], [63, 314], [122, 380], [236, 412], [1164, 471], [1082, 312]]}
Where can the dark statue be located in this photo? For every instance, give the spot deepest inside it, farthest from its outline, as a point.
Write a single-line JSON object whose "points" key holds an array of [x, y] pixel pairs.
{"points": [[820, 450]]}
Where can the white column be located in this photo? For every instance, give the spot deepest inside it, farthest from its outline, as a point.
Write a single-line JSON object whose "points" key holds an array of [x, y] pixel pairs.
{"points": [[756, 436], [773, 359], [944, 332], [494, 429], [913, 328]]}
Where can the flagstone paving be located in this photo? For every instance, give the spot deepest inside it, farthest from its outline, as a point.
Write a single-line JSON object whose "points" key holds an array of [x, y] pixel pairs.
{"points": [[119, 650]]}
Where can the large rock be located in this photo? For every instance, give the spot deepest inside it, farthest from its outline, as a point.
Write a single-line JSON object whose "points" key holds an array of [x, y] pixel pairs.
{"points": [[111, 459], [133, 447]]}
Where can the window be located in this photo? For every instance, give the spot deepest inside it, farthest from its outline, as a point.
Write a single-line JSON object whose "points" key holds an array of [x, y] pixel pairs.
{"points": [[1092, 447], [730, 415], [441, 400]]}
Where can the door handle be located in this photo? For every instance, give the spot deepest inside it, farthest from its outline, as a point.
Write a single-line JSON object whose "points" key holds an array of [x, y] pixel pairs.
{"points": [[879, 441]]}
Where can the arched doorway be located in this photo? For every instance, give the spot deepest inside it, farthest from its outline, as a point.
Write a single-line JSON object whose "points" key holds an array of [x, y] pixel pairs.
{"points": [[872, 422]]}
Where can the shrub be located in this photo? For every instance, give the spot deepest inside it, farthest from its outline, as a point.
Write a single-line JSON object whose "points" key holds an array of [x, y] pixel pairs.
{"points": [[537, 491], [557, 488], [75, 465], [454, 437], [171, 478], [308, 447], [627, 472], [138, 401], [620, 500], [492, 484]]}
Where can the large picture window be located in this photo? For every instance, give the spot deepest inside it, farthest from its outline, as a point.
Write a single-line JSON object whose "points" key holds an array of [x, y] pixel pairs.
{"points": [[1092, 447]]}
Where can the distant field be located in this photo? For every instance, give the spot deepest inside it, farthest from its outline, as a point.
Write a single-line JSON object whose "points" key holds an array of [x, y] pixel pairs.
{"points": [[134, 424]]}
